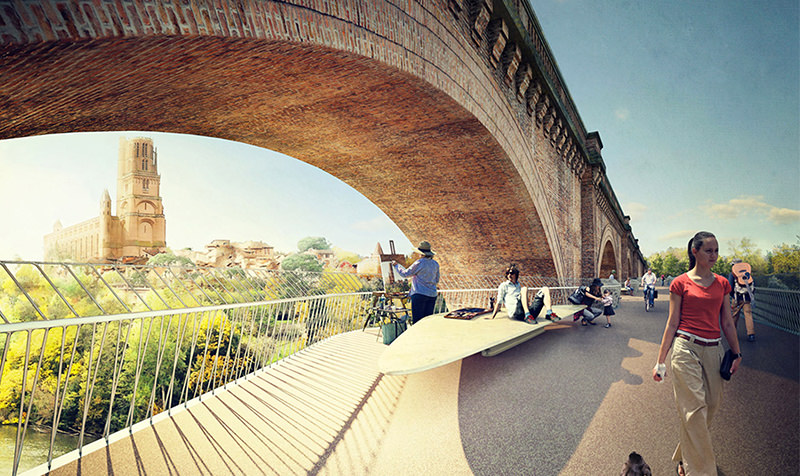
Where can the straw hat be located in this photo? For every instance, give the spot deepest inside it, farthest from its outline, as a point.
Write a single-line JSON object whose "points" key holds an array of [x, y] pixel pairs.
{"points": [[425, 248]]}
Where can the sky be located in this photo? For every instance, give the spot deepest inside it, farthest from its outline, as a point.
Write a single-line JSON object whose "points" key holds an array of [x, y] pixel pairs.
{"points": [[260, 196], [697, 105]]}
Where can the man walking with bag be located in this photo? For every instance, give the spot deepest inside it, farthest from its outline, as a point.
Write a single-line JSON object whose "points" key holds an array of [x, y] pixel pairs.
{"points": [[742, 290]]}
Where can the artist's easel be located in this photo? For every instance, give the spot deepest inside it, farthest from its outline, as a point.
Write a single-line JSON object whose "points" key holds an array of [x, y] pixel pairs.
{"points": [[387, 273], [382, 301]]}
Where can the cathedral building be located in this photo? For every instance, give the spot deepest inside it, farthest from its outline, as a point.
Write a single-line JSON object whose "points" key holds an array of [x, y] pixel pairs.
{"points": [[137, 232]]}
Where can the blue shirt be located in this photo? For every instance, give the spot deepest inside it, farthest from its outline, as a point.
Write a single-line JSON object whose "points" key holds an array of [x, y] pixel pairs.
{"points": [[509, 294], [424, 274]]}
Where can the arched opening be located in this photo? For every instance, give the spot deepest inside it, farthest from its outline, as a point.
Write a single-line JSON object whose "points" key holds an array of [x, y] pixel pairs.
{"points": [[145, 230], [608, 261], [410, 149]]}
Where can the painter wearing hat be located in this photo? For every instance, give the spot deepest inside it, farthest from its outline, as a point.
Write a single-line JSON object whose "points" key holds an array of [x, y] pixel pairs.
{"points": [[424, 275]]}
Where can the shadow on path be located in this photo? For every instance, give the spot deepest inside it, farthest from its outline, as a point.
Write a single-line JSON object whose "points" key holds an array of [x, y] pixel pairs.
{"points": [[577, 400]]}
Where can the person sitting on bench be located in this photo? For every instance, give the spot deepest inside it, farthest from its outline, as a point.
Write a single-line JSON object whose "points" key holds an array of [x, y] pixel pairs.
{"points": [[515, 299], [626, 288]]}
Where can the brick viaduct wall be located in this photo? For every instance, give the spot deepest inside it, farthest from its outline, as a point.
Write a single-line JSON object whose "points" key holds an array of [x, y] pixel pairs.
{"points": [[449, 115]]}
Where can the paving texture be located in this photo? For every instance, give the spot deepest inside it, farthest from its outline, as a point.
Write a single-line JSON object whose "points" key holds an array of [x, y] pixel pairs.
{"points": [[578, 400], [573, 401]]}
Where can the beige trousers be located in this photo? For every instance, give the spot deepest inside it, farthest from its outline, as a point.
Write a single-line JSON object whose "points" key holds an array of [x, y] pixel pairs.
{"points": [[697, 386], [745, 308]]}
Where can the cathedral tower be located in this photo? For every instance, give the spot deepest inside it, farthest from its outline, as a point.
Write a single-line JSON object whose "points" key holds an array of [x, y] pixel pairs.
{"points": [[139, 207], [139, 229]]}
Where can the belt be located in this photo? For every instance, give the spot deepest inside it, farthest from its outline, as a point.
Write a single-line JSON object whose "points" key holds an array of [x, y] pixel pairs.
{"points": [[696, 340]]}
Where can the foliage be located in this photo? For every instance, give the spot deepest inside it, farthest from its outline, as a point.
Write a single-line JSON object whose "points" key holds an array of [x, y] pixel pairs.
{"points": [[301, 262], [132, 363], [169, 259], [721, 267], [785, 258], [778, 268], [746, 251], [119, 372], [776, 283], [671, 262], [313, 243], [399, 286], [347, 256]]}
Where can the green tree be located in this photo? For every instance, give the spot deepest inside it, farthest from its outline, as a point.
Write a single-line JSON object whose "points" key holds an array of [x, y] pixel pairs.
{"points": [[313, 243], [747, 251], [301, 262], [674, 266], [785, 258], [169, 259], [656, 263], [721, 267], [348, 256]]}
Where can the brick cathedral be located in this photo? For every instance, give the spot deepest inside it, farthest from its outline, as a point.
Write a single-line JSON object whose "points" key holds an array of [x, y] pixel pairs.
{"points": [[137, 232]]}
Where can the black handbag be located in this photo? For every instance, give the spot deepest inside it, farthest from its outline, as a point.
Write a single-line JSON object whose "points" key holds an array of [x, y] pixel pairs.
{"points": [[577, 297], [727, 362]]}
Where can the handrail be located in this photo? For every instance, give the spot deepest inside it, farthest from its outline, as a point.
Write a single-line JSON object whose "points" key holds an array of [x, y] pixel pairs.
{"points": [[56, 290], [97, 375], [100, 374], [779, 308]]}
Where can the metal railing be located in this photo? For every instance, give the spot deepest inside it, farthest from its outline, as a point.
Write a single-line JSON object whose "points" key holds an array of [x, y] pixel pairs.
{"points": [[91, 349], [94, 349], [94, 376], [43, 290], [779, 308]]}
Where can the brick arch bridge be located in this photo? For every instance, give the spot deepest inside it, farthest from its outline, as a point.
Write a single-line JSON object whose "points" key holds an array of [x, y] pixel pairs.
{"points": [[449, 115]]}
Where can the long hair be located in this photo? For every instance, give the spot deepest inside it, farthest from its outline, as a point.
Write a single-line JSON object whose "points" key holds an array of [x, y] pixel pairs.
{"points": [[696, 243]]}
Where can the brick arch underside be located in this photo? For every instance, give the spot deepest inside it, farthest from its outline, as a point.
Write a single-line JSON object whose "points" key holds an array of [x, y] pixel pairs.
{"points": [[608, 261], [409, 148]]}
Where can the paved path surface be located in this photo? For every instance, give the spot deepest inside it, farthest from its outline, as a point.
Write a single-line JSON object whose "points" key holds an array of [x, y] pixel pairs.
{"points": [[573, 401]]}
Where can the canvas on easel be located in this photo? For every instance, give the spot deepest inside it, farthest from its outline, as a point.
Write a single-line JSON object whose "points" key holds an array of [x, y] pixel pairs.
{"points": [[387, 273]]}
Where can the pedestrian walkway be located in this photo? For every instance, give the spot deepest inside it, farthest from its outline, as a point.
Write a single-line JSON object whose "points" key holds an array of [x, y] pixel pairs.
{"points": [[573, 401]]}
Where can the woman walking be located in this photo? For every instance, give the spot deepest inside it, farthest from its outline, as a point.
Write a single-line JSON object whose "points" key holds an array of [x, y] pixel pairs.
{"points": [[697, 308]]}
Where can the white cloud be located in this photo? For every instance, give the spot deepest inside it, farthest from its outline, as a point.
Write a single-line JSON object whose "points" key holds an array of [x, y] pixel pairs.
{"points": [[677, 235], [635, 210], [746, 205], [783, 216], [622, 114]]}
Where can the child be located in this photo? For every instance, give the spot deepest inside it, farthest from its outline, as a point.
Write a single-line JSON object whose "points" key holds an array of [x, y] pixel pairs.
{"points": [[608, 306]]}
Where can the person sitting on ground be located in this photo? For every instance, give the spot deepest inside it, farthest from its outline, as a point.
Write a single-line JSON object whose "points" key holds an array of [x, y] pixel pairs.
{"points": [[515, 299]]}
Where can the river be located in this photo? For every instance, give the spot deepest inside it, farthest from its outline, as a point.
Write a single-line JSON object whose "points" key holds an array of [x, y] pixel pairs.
{"points": [[34, 451]]}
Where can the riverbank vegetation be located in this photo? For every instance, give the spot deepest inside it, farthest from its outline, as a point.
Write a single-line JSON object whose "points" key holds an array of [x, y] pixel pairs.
{"points": [[105, 374]]}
